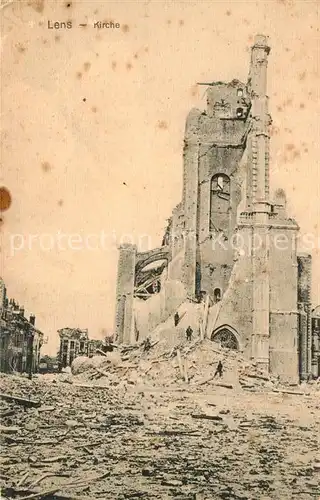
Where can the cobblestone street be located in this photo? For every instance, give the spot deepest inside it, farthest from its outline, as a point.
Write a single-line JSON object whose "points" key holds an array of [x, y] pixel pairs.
{"points": [[215, 443]]}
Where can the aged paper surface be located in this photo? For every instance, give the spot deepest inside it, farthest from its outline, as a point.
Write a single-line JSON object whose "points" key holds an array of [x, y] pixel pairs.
{"points": [[114, 198]]}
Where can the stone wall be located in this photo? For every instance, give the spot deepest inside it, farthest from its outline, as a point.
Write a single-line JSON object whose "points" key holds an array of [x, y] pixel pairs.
{"points": [[235, 308], [316, 342], [226, 196], [159, 307]]}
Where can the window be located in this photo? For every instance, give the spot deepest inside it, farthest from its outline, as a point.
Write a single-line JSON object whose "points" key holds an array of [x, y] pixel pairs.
{"points": [[72, 344], [226, 339], [240, 92], [81, 346], [155, 287], [220, 183]]}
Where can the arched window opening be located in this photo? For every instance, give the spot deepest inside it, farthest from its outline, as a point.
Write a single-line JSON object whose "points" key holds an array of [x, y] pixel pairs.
{"points": [[217, 294], [240, 92], [219, 202], [226, 338], [239, 112]]}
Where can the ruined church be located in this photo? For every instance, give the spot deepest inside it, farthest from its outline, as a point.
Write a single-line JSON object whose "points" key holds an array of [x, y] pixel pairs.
{"points": [[229, 243]]}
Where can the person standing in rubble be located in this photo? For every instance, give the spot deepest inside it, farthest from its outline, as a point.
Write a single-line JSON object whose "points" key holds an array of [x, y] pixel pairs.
{"points": [[147, 344], [219, 370], [189, 333], [176, 318]]}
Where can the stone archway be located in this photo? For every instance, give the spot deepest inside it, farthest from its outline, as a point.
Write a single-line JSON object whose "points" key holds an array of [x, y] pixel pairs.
{"points": [[227, 337]]}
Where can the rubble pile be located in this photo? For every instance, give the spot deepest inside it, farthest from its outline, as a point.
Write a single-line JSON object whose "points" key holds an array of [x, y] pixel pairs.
{"points": [[82, 440]]}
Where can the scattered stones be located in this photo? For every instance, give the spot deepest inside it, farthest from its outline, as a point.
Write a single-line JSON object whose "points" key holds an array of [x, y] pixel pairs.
{"points": [[72, 423]]}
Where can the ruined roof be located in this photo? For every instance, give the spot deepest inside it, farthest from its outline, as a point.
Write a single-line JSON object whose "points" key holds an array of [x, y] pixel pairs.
{"points": [[316, 312]]}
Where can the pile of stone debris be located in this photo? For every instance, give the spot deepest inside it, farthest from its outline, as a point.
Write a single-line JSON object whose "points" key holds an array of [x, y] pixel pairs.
{"points": [[89, 439], [187, 366], [166, 359], [49, 428]]}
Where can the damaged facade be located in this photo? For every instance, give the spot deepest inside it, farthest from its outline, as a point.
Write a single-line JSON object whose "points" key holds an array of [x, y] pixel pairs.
{"points": [[20, 340], [228, 242], [75, 342]]}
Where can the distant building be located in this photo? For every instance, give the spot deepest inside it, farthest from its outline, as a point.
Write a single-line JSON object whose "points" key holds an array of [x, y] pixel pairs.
{"points": [[20, 340], [75, 342]]}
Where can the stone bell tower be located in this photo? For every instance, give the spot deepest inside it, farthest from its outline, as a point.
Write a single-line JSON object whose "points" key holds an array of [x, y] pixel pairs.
{"points": [[257, 296], [214, 146], [258, 201], [275, 335]]}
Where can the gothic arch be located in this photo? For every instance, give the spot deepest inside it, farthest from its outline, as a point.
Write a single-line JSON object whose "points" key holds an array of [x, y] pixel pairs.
{"points": [[227, 336], [146, 258]]}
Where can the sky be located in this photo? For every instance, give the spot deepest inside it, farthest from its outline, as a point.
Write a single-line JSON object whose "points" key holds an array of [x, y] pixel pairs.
{"points": [[92, 125]]}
